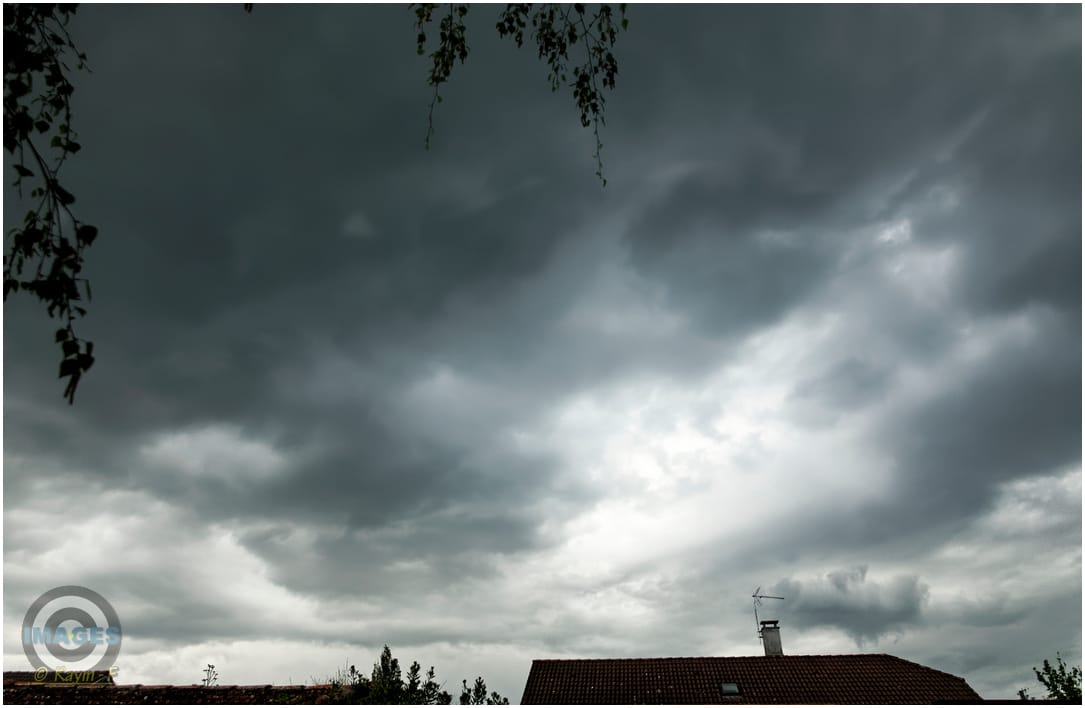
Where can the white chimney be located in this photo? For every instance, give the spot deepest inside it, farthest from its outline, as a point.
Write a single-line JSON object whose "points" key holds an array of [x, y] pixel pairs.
{"points": [[770, 637]]}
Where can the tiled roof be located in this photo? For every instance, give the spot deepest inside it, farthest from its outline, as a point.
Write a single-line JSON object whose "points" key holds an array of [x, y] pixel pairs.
{"points": [[846, 678], [17, 692], [46, 677]]}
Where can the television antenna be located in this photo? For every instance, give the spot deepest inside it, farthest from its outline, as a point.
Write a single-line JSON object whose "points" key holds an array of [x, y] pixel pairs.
{"points": [[757, 598]]}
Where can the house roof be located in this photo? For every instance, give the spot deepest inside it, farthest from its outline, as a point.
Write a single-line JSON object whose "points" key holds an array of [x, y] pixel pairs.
{"points": [[44, 677], [845, 678]]}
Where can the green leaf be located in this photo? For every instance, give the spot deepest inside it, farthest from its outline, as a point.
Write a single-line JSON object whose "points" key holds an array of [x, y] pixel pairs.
{"points": [[86, 234], [22, 123], [23, 171], [63, 195], [68, 367], [70, 347], [62, 334]]}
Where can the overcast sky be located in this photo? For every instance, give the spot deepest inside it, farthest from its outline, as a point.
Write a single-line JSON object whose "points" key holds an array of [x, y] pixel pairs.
{"points": [[820, 333]]}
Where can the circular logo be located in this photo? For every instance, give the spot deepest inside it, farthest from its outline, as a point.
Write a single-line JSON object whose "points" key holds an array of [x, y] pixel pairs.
{"points": [[71, 625]]}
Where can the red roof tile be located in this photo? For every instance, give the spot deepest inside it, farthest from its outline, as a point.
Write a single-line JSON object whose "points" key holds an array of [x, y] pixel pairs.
{"points": [[847, 678]]}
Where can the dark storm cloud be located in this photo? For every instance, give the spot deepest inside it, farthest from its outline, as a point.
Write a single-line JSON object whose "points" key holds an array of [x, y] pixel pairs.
{"points": [[403, 562], [1012, 142], [211, 303], [1018, 182], [990, 612], [863, 608], [845, 104], [349, 351], [849, 383], [705, 237], [1014, 415], [720, 264], [1017, 416], [204, 296]]}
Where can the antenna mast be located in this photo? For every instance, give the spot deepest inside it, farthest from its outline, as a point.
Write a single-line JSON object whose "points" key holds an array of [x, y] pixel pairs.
{"points": [[757, 598]]}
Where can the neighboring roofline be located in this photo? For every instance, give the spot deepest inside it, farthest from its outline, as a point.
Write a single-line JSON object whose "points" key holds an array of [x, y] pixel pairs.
{"points": [[773, 658]]}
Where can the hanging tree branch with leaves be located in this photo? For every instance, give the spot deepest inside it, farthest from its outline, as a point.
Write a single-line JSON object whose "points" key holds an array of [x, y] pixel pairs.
{"points": [[46, 253], [557, 29]]}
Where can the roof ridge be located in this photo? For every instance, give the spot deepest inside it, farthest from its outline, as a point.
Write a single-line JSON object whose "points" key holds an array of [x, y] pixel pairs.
{"points": [[734, 656]]}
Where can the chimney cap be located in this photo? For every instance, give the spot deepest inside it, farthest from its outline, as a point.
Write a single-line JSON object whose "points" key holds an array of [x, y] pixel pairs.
{"points": [[770, 637]]}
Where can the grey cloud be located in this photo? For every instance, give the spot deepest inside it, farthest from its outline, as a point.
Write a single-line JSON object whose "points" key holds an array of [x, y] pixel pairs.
{"points": [[847, 385], [1021, 417], [1051, 622], [990, 612], [755, 190], [207, 309], [747, 150], [710, 238], [732, 276], [1014, 172], [1013, 414], [846, 599]]}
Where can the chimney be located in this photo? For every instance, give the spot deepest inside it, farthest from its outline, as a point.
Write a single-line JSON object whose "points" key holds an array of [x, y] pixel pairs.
{"points": [[770, 637]]}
